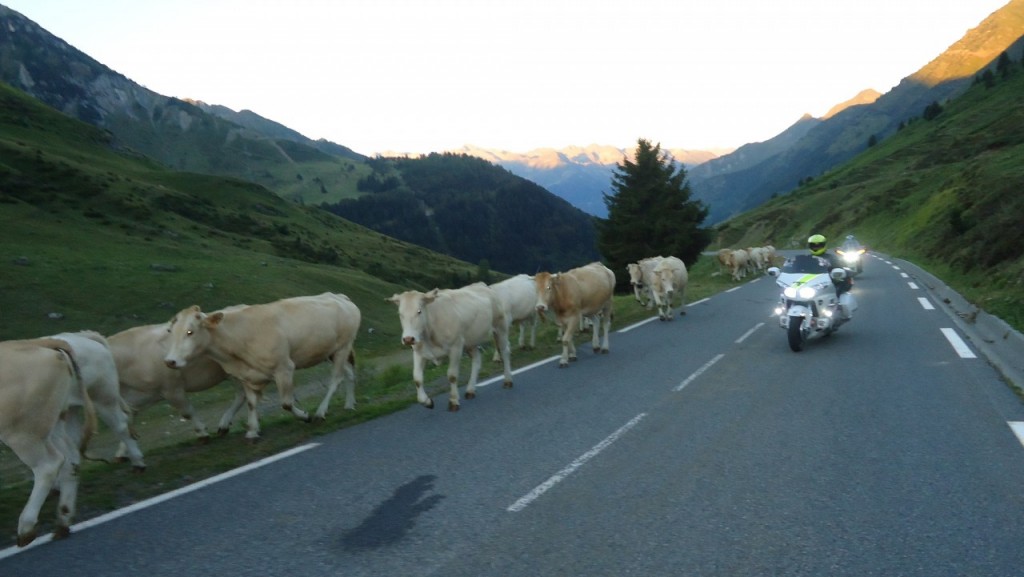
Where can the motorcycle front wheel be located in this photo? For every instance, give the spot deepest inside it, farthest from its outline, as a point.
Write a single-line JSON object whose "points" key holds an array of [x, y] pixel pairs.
{"points": [[796, 336]]}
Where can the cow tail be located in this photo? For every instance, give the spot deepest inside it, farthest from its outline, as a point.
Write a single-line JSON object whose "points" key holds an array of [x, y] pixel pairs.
{"points": [[90, 424]]}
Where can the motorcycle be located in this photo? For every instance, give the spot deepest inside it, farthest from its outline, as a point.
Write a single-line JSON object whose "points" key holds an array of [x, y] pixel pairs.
{"points": [[808, 307], [852, 258]]}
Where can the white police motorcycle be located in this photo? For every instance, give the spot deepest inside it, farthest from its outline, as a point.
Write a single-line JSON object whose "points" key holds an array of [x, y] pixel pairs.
{"points": [[809, 308]]}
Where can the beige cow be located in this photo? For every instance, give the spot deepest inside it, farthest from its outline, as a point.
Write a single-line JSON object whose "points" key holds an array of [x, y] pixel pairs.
{"points": [[145, 379], [46, 418], [669, 279], [641, 276], [585, 291], [98, 372], [444, 323], [265, 343], [519, 297]]}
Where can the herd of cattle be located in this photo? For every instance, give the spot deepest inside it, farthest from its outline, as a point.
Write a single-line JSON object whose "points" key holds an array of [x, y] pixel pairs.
{"points": [[52, 389], [743, 261]]}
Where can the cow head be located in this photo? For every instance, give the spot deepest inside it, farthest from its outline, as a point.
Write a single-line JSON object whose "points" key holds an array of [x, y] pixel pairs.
{"points": [[189, 335], [545, 284], [412, 314], [636, 278]]}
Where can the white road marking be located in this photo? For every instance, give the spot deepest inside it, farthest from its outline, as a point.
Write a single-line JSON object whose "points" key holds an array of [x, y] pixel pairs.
{"points": [[959, 345], [161, 498], [912, 285], [735, 288], [703, 300], [1018, 429], [560, 476], [925, 303], [904, 275], [895, 267], [748, 333], [698, 372], [501, 378], [635, 325]]}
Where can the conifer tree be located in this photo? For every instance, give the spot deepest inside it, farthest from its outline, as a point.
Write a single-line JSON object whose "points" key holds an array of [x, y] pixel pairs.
{"points": [[650, 212]]}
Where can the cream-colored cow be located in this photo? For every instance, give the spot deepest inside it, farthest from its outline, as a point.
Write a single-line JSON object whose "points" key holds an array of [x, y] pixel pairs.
{"points": [[444, 323], [46, 418], [669, 279], [641, 276], [146, 380], [265, 343], [519, 297]]}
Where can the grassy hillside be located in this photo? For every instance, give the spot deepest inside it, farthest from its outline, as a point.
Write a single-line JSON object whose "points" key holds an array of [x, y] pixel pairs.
{"points": [[107, 241], [945, 193]]}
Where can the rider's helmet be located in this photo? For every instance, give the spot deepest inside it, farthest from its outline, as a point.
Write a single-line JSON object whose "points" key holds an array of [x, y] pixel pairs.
{"points": [[816, 244]]}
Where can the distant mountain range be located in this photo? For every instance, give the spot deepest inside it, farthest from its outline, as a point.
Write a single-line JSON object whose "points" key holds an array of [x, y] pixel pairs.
{"points": [[733, 182], [195, 136]]}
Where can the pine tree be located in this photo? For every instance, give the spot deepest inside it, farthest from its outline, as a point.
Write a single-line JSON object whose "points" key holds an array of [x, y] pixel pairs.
{"points": [[650, 212]]}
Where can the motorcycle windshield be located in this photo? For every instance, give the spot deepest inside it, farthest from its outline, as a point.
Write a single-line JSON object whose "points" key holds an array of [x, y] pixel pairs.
{"points": [[805, 264]]}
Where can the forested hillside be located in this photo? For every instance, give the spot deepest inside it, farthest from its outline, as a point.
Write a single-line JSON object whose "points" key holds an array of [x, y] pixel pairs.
{"points": [[473, 210]]}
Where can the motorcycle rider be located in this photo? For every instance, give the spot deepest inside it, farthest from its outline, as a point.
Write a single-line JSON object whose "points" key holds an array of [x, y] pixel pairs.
{"points": [[816, 244]]}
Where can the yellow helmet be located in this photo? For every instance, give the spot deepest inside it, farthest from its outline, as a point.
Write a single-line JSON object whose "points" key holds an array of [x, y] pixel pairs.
{"points": [[816, 243]]}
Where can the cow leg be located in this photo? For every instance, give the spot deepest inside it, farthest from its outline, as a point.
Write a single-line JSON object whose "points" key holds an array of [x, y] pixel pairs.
{"points": [[454, 358], [606, 326], [417, 377], [533, 332], [252, 400], [45, 460], [67, 475], [229, 414], [114, 415], [284, 377], [568, 346], [501, 342], [474, 373], [175, 396], [342, 369]]}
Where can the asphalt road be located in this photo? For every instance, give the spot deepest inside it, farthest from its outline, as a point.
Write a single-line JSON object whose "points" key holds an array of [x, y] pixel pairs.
{"points": [[701, 446]]}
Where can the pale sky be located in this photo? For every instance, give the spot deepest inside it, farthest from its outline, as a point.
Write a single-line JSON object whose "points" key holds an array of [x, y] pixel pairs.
{"points": [[432, 75]]}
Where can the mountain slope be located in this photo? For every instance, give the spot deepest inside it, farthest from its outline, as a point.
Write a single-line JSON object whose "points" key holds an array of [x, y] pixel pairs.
{"points": [[180, 134], [943, 192], [839, 138], [106, 240]]}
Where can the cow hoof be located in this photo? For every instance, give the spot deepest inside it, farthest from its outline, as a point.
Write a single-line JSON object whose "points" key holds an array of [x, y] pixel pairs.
{"points": [[429, 404], [470, 395], [563, 365], [318, 419], [253, 440], [120, 459], [604, 351], [222, 432], [61, 533], [453, 407], [139, 469], [507, 385], [205, 439], [27, 538]]}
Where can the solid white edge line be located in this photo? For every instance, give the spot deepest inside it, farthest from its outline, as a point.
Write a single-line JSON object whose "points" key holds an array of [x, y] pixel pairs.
{"points": [[735, 288], [493, 380], [958, 344], [637, 324], [703, 300], [558, 477], [161, 498], [925, 304], [1018, 429], [698, 372], [748, 333]]}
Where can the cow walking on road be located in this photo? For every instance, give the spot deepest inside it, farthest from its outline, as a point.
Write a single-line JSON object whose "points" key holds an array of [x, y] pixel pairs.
{"points": [[585, 291], [260, 344], [446, 323]]}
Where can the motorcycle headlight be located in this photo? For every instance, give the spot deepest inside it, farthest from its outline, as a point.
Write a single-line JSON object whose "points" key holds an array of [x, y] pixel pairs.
{"points": [[803, 292]]}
